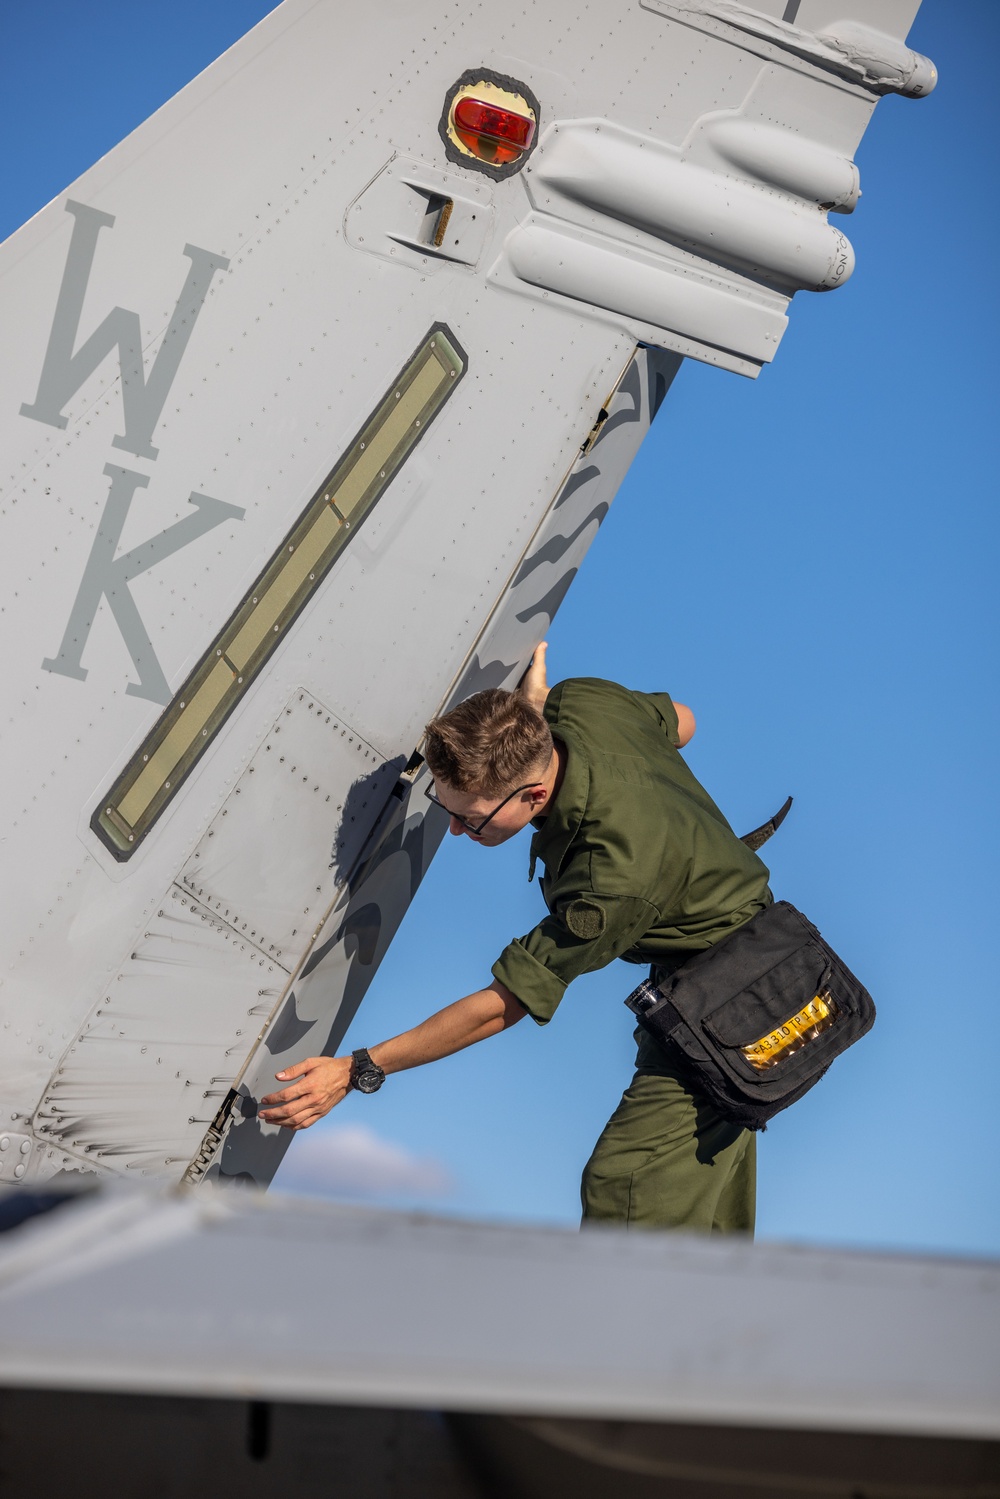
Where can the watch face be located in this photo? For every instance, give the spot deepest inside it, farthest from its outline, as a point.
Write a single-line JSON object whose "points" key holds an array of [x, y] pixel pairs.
{"points": [[368, 1082]]}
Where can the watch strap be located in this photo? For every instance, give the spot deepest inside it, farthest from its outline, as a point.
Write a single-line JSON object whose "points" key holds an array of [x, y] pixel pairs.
{"points": [[362, 1064]]}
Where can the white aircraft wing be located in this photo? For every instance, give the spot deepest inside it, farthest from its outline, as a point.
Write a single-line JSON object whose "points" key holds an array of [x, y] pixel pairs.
{"points": [[315, 391], [180, 1342]]}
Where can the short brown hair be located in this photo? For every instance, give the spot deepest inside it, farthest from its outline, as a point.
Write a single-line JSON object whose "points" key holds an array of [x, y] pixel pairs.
{"points": [[490, 743]]}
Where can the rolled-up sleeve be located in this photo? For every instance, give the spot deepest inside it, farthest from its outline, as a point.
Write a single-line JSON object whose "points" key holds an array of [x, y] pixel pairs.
{"points": [[662, 706], [537, 968]]}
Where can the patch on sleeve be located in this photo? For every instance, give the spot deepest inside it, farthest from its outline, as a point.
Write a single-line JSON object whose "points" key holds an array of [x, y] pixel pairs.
{"points": [[584, 919]]}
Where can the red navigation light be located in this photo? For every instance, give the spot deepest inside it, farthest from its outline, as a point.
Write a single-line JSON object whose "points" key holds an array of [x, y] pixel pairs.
{"points": [[492, 133]]}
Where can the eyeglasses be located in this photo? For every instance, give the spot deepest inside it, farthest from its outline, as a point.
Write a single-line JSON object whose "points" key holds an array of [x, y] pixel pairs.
{"points": [[477, 828]]}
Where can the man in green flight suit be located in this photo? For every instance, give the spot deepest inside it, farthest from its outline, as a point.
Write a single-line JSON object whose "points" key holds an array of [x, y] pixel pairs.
{"points": [[639, 864]]}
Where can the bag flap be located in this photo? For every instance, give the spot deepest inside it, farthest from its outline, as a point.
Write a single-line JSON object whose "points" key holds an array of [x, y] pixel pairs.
{"points": [[713, 976], [771, 1000]]}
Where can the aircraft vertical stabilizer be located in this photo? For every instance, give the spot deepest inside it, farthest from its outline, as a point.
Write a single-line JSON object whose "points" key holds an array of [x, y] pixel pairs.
{"points": [[316, 389]]}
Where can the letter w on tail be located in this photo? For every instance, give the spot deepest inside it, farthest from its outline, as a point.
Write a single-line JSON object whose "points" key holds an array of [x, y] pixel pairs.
{"points": [[64, 371]]}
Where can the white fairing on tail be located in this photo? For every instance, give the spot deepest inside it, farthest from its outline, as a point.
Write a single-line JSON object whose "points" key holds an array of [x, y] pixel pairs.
{"points": [[309, 417]]}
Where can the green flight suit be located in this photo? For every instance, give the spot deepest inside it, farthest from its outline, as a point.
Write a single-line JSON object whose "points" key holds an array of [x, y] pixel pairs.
{"points": [[640, 864]]}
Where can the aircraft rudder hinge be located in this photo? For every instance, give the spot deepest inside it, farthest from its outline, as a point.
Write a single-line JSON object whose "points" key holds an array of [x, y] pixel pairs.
{"points": [[407, 776], [214, 1136]]}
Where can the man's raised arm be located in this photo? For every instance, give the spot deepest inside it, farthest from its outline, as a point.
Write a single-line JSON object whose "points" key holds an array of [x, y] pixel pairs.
{"points": [[534, 688]]}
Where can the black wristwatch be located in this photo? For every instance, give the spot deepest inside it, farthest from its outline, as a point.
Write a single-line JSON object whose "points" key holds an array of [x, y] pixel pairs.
{"points": [[365, 1075]]}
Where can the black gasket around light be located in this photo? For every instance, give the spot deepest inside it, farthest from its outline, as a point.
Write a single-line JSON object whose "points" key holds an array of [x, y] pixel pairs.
{"points": [[501, 80]]}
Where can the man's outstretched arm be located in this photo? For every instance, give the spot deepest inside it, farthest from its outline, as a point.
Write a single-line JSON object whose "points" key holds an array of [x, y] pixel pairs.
{"points": [[321, 1082], [534, 689]]}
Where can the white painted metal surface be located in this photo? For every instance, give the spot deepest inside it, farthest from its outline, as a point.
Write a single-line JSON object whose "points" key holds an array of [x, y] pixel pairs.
{"points": [[195, 336], [146, 1293]]}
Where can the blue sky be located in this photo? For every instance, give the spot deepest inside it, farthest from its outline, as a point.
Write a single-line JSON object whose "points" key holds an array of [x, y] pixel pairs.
{"points": [[808, 560]]}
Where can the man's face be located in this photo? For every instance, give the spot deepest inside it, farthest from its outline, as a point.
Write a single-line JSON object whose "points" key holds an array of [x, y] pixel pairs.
{"points": [[472, 807]]}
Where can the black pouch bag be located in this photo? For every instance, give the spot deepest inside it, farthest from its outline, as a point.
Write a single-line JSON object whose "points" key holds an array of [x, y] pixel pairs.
{"points": [[759, 1017]]}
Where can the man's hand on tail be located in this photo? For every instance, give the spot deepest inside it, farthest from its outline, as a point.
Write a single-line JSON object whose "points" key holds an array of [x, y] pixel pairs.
{"points": [[320, 1084], [534, 687]]}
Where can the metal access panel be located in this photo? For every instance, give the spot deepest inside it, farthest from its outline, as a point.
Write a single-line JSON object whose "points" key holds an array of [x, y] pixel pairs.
{"points": [[313, 395]]}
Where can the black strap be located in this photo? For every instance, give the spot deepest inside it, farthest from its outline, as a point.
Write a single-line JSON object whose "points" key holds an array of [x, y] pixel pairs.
{"points": [[759, 836]]}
